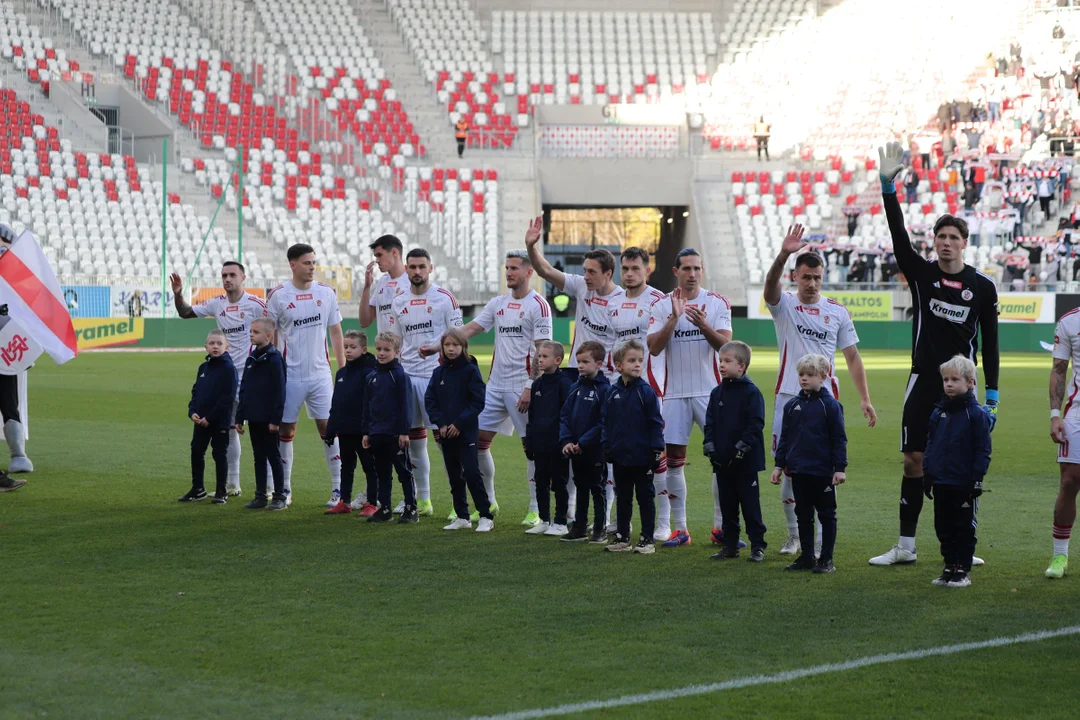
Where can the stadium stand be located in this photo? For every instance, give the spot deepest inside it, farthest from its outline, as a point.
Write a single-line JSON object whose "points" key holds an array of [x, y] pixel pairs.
{"points": [[555, 57]]}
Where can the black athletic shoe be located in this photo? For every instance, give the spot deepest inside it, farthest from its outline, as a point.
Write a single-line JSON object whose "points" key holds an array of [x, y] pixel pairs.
{"points": [[824, 566], [756, 555], [805, 562], [383, 514], [410, 515], [599, 537], [576, 534], [258, 503], [278, 504], [219, 499], [725, 554], [8, 483], [193, 495], [943, 579]]}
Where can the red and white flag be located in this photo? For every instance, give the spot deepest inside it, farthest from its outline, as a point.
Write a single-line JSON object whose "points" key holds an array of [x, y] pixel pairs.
{"points": [[29, 288]]}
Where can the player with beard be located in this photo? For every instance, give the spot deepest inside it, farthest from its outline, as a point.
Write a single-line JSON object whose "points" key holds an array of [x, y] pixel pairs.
{"points": [[233, 311], [420, 317]]}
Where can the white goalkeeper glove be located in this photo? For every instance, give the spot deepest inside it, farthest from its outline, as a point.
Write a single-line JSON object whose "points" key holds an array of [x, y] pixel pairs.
{"points": [[890, 162]]}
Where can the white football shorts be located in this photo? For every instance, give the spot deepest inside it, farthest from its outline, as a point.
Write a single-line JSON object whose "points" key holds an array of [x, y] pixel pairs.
{"points": [[316, 394], [1069, 451], [419, 408], [500, 413], [680, 414]]}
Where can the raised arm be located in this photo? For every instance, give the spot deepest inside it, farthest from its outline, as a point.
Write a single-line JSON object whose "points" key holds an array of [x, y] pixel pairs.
{"points": [[891, 162], [368, 312], [182, 308], [543, 267], [665, 324], [773, 278]]}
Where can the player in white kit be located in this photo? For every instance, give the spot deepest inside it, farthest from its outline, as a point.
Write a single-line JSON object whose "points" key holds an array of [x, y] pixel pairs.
{"points": [[630, 318], [595, 294], [689, 326], [1065, 431], [303, 312], [420, 317], [233, 311], [377, 298], [807, 323], [522, 320]]}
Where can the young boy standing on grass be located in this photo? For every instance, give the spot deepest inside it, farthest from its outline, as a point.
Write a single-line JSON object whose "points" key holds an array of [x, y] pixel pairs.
{"points": [[387, 419], [813, 450], [956, 460], [735, 446], [549, 393], [579, 436], [346, 418], [454, 400], [262, 403], [632, 437], [210, 409]]}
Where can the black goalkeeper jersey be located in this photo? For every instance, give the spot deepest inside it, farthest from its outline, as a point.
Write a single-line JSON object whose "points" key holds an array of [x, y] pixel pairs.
{"points": [[950, 309]]}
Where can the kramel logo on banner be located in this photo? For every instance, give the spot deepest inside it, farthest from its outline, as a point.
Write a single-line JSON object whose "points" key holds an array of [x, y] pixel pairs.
{"points": [[107, 332]]}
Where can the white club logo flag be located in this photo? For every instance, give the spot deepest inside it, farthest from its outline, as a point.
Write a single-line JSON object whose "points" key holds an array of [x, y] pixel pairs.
{"points": [[29, 288]]}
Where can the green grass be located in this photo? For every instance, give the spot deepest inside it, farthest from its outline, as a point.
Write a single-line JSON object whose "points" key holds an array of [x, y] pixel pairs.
{"points": [[119, 602]]}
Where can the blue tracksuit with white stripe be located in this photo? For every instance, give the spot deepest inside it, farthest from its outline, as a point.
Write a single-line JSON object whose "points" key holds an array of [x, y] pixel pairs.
{"points": [[957, 457]]}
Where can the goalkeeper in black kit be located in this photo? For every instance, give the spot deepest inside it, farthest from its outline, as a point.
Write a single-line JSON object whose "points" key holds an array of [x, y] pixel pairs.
{"points": [[953, 303]]}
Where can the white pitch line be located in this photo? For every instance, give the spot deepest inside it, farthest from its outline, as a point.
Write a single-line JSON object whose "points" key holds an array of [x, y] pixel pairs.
{"points": [[787, 676]]}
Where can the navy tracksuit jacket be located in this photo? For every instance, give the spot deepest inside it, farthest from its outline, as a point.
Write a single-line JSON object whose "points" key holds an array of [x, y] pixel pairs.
{"points": [[736, 413], [812, 436], [213, 393], [262, 391], [347, 407], [549, 394]]}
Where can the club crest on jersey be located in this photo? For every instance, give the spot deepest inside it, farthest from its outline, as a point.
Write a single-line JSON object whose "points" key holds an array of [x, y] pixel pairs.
{"points": [[826, 319], [319, 303], [640, 312], [954, 284], [305, 296], [967, 294], [430, 309]]}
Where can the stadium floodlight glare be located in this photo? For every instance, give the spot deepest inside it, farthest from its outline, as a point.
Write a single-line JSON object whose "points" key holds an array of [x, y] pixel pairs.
{"points": [[824, 82]]}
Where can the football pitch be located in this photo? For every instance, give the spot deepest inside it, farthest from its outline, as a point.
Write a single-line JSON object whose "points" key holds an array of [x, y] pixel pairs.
{"points": [[119, 602]]}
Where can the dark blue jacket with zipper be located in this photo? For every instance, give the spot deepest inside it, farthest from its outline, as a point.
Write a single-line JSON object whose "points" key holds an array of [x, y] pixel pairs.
{"points": [[347, 408], [214, 390], [958, 442], [549, 393], [812, 436], [455, 396], [262, 391], [736, 414], [579, 421], [632, 429], [388, 401]]}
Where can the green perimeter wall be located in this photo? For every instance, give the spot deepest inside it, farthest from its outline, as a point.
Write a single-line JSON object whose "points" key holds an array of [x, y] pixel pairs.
{"points": [[1014, 337]]}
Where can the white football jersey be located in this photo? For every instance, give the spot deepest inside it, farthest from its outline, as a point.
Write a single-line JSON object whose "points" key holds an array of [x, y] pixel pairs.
{"points": [[629, 319], [301, 318], [382, 298], [234, 319], [422, 320], [1067, 347], [519, 324], [691, 365], [821, 328], [591, 321]]}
